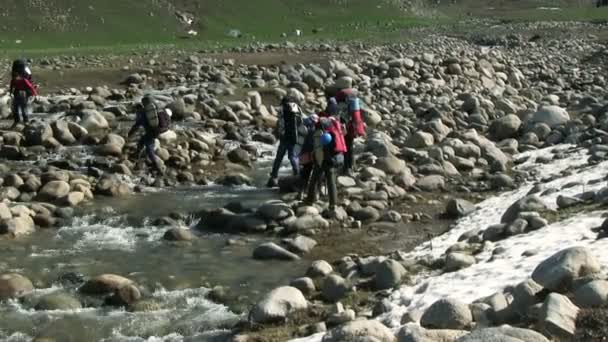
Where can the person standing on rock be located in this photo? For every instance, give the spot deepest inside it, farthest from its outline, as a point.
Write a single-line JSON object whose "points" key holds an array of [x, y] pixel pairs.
{"points": [[22, 91], [329, 149], [290, 119], [350, 113], [155, 122], [306, 152]]}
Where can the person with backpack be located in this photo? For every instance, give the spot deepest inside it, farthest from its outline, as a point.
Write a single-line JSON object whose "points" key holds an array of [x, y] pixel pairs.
{"points": [[306, 152], [328, 154], [351, 114], [155, 122], [22, 91], [288, 124], [21, 68]]}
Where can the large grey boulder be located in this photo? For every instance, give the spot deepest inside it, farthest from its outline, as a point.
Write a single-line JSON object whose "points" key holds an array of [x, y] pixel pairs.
{"points": [[459, 207], [420, 139], [391, 165], [334, 288], [505, 127], [503, 334], [275, 211], [550, 115], [93, 121], [558, 317], [591, 295], [58, 301], [447, 314], [415, 333], [431, 183], [559, 271], [527, 204], [457, 261], [278, 304], [13, 285], [53, 191], [388, 274], [17, 226], [360, 331]]}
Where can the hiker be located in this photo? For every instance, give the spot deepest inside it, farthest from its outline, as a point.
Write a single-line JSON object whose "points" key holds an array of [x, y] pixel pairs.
{"points": [[329, 149], [22, 91], [349, 108], [290, 119], [20, 67], [155, 122], [306, 152]]}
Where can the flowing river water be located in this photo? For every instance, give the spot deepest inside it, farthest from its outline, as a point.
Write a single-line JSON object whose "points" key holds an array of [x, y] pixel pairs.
{"points": [[115, 236]]}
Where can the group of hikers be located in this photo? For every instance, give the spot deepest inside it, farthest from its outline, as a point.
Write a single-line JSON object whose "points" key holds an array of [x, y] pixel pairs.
{"points": [[319, 145]]}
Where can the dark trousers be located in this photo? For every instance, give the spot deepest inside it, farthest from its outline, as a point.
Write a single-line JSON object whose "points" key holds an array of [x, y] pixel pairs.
{"points": [[20, 108], [349, 156], [293, 159], [316, 177], [147, 141]]}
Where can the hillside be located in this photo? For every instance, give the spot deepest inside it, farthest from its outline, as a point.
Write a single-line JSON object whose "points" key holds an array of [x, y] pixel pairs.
{"points": [[38, 24]]}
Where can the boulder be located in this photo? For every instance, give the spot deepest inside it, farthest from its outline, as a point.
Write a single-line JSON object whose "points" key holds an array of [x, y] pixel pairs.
{"points": [[390, 165], [431, 183], [306, 222], [388, 274], [559, 271], [73, 198], [420, 139], [592, 295], [300, 244], [13, 285], [274, 211], [17, 226], [319, 268], [526, 204], [558, 317], [503, 334], [278, 304], [304, 284], [447, 314], [178, 234], [58, 301], [105, 283], [239, 156], [552, 116], [61, 132], [93, 121], [126, 295], [360, 331], [37, 133], [270, 250], [415, 333], [458, 261], [505, 127], [457, 208], [334, 288]]}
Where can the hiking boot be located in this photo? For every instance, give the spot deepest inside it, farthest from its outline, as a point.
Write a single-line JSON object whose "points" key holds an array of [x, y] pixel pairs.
{"points": [[15, 124], [272, 182]]}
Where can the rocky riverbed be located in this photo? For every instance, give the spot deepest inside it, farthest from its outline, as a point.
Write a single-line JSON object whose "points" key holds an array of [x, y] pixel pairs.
{"points": [[477, 201]]}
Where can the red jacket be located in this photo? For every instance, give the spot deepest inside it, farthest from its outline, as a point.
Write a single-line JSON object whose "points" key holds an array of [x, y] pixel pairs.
{"points": [[20, 84]]}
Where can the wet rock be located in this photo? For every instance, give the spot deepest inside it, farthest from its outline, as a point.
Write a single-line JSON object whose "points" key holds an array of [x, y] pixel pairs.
{"points": [[559, 271], [319, 268], [61, 132], [17, 226], [278, 304], [388, 274], [304, 284], [447, 314], [58, 301], [109, 150], [178, 234], [105, 283], [567, 201], [44, 220], [112, 187], [300, 244], [367, 214], [235, 179], [93, 121], [458, 261], [592, 295], [503, 334], [126, 295], [334, 288], [306, 222], [459, 207], [5, 212], [415, 333], [37, 133], [274, 211], [13, 285], [270, 250], [74, 198], [239, 156], [558, 317], [360, 331], [346, 182]]}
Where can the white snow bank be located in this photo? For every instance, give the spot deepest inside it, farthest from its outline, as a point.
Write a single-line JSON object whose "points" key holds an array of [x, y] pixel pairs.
{"points": [[490, 275]]}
